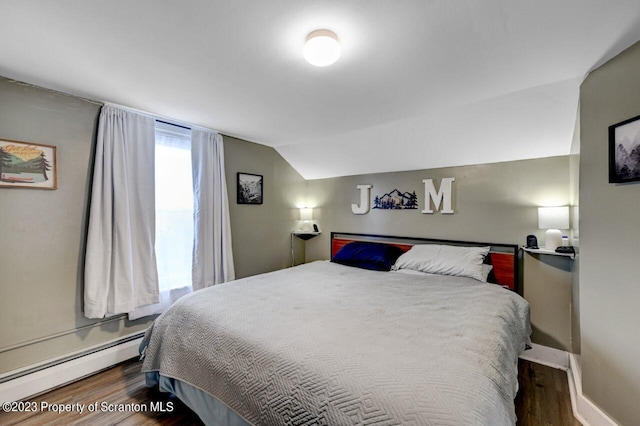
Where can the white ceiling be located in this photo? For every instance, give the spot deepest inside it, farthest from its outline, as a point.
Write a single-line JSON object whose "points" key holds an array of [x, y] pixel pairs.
{"points": [[420, 84]]}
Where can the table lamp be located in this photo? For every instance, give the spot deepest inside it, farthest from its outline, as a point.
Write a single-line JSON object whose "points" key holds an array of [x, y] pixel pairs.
{"points": [[553, 219]]}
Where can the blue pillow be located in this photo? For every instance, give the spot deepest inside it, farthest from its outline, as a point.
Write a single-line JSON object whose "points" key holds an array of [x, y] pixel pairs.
{"points": [[366, 255]]}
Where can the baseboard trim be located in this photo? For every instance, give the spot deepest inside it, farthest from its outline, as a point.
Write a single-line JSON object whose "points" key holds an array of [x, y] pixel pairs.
{"points": [[545, 355], [73, 367], [584, 410]]}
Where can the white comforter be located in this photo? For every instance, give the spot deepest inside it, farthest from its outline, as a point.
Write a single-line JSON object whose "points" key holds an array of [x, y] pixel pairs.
{"points": [[326, 344]]}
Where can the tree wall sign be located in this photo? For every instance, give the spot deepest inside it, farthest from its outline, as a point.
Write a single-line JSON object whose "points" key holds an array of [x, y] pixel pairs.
{"points": [[27, 165], [396, 200]]}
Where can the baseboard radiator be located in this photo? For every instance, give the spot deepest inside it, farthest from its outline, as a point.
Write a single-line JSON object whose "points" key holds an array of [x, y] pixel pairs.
{"points": [[33, 380]]}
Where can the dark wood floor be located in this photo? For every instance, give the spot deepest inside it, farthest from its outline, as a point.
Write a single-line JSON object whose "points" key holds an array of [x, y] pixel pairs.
{"points": [[543, 399]]}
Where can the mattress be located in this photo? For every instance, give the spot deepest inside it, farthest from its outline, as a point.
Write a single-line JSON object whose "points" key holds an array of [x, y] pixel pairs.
{"points": [[327, 344]]}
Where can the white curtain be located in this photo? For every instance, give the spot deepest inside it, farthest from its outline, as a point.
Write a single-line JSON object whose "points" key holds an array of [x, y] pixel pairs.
{"points": [[120, 263], [212, 251]]}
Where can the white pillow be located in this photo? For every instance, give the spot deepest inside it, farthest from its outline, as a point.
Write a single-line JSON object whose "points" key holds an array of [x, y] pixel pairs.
{"points": [[444, 260], [486, 269]]}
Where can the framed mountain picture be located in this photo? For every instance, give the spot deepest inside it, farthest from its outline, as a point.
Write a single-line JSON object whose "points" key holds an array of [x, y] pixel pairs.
{"points": [[27, 165], [624, 151], [249, 188]]}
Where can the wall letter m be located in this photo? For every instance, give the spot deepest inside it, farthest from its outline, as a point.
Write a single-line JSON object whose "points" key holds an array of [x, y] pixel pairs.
{"points": [[443, 196]]}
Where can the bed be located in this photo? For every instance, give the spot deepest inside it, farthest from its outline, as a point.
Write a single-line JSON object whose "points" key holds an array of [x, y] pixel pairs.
{"points": [[334, 343]]}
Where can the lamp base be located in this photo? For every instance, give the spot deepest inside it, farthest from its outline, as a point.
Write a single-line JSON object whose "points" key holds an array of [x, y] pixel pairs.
{"points": [[552, 239]]}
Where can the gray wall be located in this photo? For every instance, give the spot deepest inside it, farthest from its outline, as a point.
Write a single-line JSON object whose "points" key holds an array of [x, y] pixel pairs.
{"points": [[492, 202], [547, 287], [261, 233], [609, 241], [42, 233], [574, 195]]}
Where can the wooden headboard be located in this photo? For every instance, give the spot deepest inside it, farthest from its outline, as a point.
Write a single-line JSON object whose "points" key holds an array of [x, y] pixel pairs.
{"points": [[504, 257]]}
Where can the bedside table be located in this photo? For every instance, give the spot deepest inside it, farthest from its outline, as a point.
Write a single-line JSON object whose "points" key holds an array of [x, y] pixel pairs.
{"points": [[550, 252], [547, 288], [303, 235]]}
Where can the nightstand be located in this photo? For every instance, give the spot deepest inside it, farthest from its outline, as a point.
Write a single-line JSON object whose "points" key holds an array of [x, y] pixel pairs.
{"points": [[303, 235], [547, 288], [549, 252]]}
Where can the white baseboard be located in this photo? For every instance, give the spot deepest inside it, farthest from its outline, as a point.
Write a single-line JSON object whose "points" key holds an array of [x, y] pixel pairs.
{"points": [[76, 367], [545, 355], [583, 409]]}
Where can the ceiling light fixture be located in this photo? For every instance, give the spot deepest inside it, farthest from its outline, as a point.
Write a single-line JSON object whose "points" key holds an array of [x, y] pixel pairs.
{"points": [[321, 48]]}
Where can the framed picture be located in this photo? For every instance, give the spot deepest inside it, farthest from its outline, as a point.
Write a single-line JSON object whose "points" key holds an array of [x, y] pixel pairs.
{"points": [[249, 188], [27, 165], [624, 151]]}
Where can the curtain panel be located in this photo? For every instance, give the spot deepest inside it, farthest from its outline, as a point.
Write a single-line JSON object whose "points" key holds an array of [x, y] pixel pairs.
{"points": [[212, 250], [120, 263]]}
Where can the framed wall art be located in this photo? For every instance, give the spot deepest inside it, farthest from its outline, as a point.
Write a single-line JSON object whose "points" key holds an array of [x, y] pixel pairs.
{"points": [[27, 165], [249, 188], [624, 151]]}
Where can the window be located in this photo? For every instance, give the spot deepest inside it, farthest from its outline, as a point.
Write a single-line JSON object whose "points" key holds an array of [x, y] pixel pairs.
{"points": [[174, 208], [136, 151]]}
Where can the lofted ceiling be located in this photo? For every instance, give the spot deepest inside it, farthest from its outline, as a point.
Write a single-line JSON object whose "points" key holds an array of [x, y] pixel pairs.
{"points": [[420, 84]]}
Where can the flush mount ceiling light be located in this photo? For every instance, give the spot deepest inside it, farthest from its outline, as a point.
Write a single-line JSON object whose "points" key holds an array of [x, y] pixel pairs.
{"points": [[322, 48]]}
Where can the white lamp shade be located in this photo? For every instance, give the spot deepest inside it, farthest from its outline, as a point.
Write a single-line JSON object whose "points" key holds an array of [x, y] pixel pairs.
{"points": [[306, 214], [553, 217], [321, 48]]}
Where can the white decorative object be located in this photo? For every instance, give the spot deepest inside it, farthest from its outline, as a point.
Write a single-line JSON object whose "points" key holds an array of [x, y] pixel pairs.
{"points": [[365, 200], [553, 219], [306, 216], [321, 48], [440, 197]]}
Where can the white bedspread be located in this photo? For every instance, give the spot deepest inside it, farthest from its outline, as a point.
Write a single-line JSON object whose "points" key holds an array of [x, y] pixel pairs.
{"points": [[326, 344]]}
